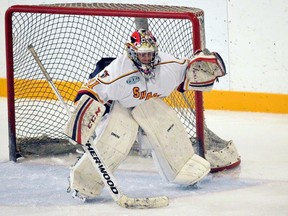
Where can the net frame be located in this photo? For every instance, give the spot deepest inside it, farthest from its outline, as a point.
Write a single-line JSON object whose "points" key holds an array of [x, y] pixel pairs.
{"points": [[193, 15]]}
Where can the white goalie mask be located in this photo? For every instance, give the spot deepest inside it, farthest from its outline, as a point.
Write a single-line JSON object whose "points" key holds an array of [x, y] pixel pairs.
{"points": [[143, 43]]}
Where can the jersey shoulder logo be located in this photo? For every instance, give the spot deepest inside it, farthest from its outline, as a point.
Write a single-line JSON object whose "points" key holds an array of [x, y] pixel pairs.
{"points": [[132, 80], [104, 74]]}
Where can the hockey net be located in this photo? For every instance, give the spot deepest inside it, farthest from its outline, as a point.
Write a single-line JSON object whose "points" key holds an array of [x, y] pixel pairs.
{"points": [[69, 40]]}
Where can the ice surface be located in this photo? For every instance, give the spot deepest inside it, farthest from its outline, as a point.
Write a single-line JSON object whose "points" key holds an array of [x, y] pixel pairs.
{"points": [[258, 187]]}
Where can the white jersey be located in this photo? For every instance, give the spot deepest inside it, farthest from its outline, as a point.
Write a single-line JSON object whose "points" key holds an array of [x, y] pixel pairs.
{"points": [[121, 81]]}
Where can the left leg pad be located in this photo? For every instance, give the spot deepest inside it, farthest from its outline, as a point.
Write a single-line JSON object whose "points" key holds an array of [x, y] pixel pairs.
{"points": [[172, 148]]}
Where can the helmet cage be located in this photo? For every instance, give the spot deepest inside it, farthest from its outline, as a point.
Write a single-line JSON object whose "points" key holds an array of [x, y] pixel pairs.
{"points": [[143, 41]]}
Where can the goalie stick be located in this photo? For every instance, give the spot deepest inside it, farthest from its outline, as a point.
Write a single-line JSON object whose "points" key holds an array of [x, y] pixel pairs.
{"points": [[98, 163]]}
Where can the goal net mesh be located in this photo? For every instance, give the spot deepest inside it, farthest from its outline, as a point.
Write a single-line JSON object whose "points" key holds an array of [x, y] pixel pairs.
{"points": [[69, 46]]}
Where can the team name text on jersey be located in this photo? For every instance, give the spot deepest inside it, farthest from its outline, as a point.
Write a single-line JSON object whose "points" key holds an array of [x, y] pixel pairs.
{"points": [[143, 94]]}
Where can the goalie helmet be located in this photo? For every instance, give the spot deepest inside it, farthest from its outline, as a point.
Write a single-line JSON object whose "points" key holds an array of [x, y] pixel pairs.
{"points": [[142, 41]]}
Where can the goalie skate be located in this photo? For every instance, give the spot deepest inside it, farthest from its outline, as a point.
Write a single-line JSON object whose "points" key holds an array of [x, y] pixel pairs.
{"points": [[77, 195]]}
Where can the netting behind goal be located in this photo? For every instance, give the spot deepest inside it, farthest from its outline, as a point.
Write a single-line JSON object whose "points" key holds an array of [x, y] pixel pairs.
{"points": [[69, 40]]}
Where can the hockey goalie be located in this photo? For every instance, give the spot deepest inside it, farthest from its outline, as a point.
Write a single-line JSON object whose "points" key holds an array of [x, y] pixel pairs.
{"points": [[125, 95]]}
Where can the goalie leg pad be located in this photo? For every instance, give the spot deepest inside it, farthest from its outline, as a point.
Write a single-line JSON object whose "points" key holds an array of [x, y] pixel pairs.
{"points": [[85, 118], [172, 149], [200, 169], [115, 137], [85, 179]]}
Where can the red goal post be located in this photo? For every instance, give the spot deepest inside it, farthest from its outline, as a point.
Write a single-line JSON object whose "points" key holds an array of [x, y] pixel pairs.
{"points": [[70, 39]]}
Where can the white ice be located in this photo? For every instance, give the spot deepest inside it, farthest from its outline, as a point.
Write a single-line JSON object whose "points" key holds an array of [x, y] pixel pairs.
{"points": [[258, 187]]}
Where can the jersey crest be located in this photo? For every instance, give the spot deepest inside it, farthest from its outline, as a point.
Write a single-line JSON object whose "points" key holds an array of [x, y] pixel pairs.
{"points": [[132, 80]]}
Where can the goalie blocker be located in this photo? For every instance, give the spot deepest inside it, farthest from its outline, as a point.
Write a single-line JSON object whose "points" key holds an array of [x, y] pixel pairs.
{"points": [[84, 119]]}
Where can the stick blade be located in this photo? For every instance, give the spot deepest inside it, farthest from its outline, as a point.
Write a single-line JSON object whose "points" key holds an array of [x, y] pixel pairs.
{"points": [[143, 203]]}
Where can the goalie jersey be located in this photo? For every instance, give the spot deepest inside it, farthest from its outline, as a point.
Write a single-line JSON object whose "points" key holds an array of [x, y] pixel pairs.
{"points": [[121, 81]]}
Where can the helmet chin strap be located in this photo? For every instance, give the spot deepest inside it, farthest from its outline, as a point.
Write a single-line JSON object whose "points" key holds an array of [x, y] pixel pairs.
{"points": [[146, 71], [148, 76]]}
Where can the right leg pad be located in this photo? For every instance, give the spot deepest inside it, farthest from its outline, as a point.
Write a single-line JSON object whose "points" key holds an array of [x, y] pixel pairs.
{"points": [[113, 143]]}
